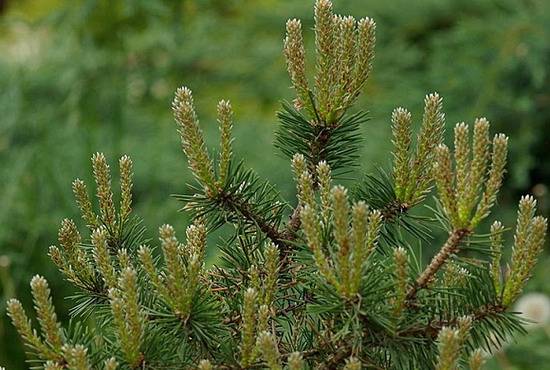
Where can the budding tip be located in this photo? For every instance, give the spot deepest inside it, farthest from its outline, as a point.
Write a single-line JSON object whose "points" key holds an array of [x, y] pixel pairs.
{"points": [[166, 229], [501, 138], [38, 281], [293, 24], [528, 199], [496, 225], [442, 148], [13, 302], [298, 157], [323, 4], [339, 190], [367, 22], [433, 97], [482, 121]]}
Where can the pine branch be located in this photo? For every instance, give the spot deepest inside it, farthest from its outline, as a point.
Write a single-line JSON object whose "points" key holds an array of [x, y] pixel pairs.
{"points": [[283, 238], [450, 247], [378, 191], [246, 200], [337, 144], [235, 204], [293, 225], [432, 329]]}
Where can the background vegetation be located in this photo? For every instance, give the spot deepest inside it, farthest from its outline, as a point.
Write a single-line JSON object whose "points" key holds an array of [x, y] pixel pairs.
{"points": [[94, 75]]}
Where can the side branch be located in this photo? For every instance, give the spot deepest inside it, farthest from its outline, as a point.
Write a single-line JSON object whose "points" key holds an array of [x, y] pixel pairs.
{"points": [[431, 330], [318, 147], [278, 237], [394, 209], [450, 247], [293, 224]]}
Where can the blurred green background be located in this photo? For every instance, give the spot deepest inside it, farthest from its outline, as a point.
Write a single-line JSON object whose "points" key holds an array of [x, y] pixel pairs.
{"points": [[79, 76]]}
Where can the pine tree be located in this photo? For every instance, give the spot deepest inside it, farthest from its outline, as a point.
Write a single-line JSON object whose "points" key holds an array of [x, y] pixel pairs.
{"points": [[334, 280]]}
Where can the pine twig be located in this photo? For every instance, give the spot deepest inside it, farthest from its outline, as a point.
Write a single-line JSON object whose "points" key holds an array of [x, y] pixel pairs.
{"points": [[450, 247], [431, 330], [293, 224], [244, 209]]}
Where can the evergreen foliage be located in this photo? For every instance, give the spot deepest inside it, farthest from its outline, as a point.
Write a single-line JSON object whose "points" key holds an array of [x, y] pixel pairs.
{"points": [[330, 281]]}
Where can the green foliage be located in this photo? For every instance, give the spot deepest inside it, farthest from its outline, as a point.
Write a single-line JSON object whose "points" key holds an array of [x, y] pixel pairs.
{"points": [[101, 79], [317, 290], [338, 146]]}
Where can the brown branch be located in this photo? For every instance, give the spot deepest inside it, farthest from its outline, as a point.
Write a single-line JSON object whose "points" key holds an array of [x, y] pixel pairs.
{"points": [[318, 145], [293, 224], [337, 358], [279, 238], [283, 311], [451, 246], [393, 210], [431, 331]]}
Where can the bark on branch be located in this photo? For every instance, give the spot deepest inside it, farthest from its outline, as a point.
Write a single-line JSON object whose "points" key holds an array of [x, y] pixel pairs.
{"points": [[451, 246]]}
